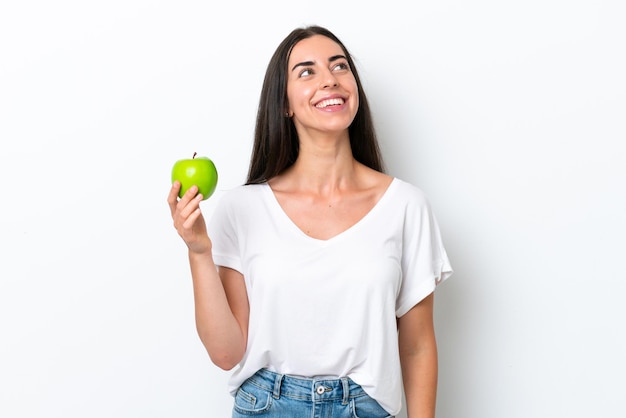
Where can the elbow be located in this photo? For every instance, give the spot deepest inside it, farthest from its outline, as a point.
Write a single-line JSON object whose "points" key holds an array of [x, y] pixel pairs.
{"points": [[225, 357], [226, 361], [225, 352]]}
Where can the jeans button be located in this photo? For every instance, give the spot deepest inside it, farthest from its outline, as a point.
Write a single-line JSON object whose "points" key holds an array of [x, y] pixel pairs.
{"points": [[320, 390]]}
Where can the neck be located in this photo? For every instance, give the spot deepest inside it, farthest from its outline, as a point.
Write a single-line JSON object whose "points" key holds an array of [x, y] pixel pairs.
{"points": [[324, 164]]}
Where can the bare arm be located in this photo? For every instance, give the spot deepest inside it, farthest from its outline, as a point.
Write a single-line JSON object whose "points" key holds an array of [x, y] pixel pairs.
{"points": [[220, 298], [418, 357]]}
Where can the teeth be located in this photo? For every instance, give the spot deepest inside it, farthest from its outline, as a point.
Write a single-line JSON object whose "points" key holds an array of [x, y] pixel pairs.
{"points": [[329, 102]]}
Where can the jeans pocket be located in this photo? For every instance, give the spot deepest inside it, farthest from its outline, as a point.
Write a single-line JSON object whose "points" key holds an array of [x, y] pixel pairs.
{"points": [[366, 407], [251, 400]]}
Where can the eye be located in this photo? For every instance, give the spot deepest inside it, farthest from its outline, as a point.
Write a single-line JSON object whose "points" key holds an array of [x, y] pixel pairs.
{"points": [[305, 72], [341, 66]]}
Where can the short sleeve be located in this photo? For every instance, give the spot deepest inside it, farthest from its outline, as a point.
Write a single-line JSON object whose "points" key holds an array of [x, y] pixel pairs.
{"points": [[222, 229], [425, 262]]}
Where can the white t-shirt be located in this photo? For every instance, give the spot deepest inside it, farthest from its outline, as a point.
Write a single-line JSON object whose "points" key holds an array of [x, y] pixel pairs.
{"points": [[329, 307]]}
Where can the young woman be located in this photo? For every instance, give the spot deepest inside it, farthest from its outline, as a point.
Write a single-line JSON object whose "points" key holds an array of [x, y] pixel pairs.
{"points": [[317, 282]]}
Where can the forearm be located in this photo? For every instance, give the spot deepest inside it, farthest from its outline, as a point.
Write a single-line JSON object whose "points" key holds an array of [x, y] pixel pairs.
{"points": [[217, 326], [419, 372]]}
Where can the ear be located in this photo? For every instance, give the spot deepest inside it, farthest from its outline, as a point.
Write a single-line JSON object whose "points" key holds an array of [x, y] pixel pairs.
{"points": [[288, 112]]}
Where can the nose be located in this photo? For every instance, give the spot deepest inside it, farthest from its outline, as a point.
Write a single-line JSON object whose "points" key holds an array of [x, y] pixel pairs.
{"points": [[329, 80]]}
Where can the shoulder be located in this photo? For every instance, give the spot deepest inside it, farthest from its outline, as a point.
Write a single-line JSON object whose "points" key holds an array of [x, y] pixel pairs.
{"points": [[236, 207], [401, 190], [239, 200], [241, 193]]}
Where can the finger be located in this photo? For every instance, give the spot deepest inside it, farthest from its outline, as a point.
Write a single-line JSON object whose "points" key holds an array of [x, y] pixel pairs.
{"points": [[190, 193], [186, 207], [192, 218], [172, 197], [180, 204]]}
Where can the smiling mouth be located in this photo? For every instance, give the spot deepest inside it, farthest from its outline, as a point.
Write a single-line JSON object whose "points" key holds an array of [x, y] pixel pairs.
{"points": [[330, 102]]}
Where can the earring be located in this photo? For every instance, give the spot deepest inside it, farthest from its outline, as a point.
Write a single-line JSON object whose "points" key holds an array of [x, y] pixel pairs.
{"points": [[287, 115]]}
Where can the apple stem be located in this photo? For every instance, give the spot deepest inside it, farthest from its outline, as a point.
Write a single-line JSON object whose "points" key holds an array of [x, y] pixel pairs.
{"points": [[194, 155]]}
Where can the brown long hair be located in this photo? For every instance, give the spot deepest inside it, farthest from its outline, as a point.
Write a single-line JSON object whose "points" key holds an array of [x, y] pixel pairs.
{"points": [[276, 143]]}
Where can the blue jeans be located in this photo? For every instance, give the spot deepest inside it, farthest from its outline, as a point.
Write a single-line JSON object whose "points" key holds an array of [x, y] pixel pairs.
{"points": [[270, 395]]}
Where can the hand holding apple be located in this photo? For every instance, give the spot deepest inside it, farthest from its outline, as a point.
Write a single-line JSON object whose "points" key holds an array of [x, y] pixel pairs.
{"points": [[198, 171]]}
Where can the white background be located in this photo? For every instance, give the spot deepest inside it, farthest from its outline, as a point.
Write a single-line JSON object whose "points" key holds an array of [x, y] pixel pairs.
{"points": [[509, 115]]}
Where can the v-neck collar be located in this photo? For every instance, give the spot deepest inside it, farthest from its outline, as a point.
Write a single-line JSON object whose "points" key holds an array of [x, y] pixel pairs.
{"points": [[296, 229]]}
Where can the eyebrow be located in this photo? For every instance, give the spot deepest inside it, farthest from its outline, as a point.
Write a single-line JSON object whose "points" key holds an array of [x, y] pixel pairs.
{"points": [[309, 63]]}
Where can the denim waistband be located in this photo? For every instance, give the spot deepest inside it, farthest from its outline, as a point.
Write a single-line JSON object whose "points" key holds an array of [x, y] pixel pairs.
{"points": [[308, 389]]}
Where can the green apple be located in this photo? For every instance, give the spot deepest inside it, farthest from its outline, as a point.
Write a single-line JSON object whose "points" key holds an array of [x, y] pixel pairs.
{"points": [[198, 171]]}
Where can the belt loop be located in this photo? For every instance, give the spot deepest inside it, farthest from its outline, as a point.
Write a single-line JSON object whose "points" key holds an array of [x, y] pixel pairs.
{"points": [[277, 383], [346, 390]]}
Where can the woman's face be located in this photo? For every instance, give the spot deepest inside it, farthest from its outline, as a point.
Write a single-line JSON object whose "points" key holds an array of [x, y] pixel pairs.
{"points": [[321, 89]]}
